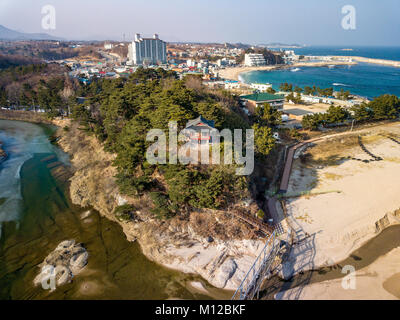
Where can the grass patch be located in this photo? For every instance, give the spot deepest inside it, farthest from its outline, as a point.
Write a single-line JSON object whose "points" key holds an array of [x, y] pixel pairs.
{"points": [[332, 176], [371, 138], [395, 160], [2, 200]]}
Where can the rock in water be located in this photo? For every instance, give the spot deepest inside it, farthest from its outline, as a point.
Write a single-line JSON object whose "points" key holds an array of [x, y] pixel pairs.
{"points": [[60, 266], [3, 154]]}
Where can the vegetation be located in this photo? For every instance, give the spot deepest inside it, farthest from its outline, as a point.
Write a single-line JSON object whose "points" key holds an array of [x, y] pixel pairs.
{"points": [[384, 107], [35, 86], [312, 91], [124, 212], [120, 113], [294, 98]]}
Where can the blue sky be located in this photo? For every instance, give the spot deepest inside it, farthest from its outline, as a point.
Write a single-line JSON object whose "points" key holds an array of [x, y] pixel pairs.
{"points": [[311, 22]]}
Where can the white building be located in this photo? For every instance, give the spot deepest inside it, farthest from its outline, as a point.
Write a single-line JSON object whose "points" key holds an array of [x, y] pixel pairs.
{"points": [[254, 59], [147, 50], [108, 46], [191, 63], [262, 87], [230, 85]]}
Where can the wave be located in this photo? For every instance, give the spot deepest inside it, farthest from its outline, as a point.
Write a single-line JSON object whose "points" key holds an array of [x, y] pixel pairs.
{"points": [[340, 84]]}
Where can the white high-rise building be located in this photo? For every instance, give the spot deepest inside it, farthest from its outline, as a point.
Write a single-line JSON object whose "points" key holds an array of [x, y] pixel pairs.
{"points": [[147, 50], [254, 59]]}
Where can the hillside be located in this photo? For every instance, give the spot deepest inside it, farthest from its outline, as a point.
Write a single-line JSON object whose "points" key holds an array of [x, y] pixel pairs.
{"points": [[8, 34]]}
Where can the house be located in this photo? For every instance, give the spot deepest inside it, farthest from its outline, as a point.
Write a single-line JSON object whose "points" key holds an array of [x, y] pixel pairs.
{"points": [[261, 86], [230, 85], [199, 130], [252, 101]]}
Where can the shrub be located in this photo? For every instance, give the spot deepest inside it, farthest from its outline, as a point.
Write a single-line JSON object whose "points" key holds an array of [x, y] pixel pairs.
{"points": [[163, 208], [260, 214], [124, 212]]}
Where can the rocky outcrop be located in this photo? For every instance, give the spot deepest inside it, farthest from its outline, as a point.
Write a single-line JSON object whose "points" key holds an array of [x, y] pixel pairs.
{"points": [[212, 244], [3, 154], [61, 265]]}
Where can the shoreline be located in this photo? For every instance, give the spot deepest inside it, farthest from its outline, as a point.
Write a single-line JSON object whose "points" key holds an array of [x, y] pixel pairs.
{"points": [[174, 244], [234, 73], [330, 242], [378, 274], [165, 247]]}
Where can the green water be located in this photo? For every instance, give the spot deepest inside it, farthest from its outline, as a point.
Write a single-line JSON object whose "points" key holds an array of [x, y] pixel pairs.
{"points": [[117, 269]]}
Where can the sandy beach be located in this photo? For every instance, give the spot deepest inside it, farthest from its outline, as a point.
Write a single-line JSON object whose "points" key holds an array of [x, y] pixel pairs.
{"points": [[378, 281], [350, 195]]}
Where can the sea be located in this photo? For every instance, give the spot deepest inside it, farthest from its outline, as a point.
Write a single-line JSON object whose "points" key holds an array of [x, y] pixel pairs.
{"points": [[364, 79]]}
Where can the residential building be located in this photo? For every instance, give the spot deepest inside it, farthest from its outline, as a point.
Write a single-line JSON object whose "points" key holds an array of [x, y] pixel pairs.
{"points": [[148, 51], [230, 84], [254, 59], [262, 87], [108, 46], [191, 63], [255, 100]]}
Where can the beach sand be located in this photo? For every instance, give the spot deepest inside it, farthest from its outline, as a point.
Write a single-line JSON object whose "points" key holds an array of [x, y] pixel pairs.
{"points": [[349, 200], [378, 281]]}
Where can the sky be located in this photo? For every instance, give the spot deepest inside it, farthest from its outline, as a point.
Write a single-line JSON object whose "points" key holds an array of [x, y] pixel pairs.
{"points": [[309, 22]]}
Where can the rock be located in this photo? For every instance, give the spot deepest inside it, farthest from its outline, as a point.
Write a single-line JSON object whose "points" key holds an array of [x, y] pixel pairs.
{"points": [[78, 262], [225, 272], [85, 214], [65, 244], [287, 271], [3, 154], [61, 265]]}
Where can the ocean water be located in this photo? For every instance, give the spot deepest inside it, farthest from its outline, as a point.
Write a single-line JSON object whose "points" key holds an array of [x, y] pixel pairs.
{"points": [[388, 53], [366, 80]]}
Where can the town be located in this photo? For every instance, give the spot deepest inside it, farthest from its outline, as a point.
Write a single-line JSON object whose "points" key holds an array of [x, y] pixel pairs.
{"points": [[213, 63]]}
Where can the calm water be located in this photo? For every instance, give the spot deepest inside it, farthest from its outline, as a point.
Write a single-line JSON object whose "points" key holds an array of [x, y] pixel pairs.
{"points": [[367, 80], [388, 53], [36, 214]]}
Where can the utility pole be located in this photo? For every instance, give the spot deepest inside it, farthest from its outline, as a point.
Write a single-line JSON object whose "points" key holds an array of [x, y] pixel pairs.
{"points": [[352, 124]]}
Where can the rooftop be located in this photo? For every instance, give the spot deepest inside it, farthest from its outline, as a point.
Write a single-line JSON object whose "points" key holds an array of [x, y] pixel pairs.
{"points": [[259, 97], [196, 121]]}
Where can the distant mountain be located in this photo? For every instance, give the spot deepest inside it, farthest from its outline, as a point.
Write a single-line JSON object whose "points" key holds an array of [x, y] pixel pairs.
{"points": [[281, 45], [12, 35]]}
